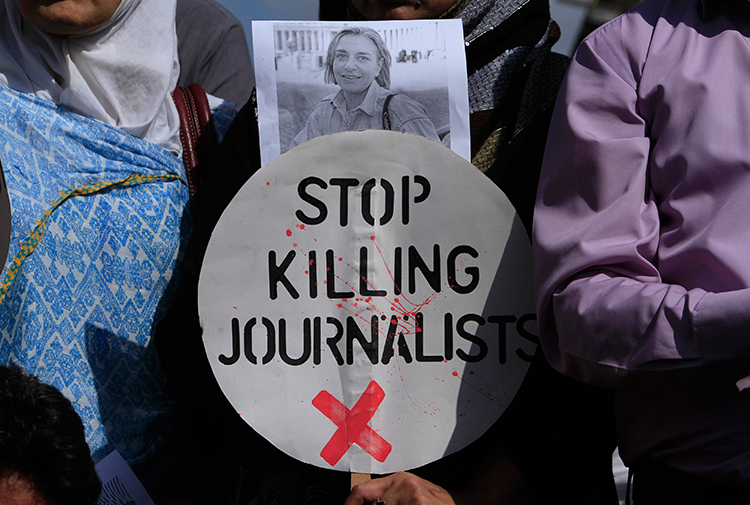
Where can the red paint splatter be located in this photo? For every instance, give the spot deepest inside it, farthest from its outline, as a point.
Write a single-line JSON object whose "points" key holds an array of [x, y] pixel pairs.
{"points": [[268, 183], [478, 390], [417, 307], [289, 233], [353, 425]]}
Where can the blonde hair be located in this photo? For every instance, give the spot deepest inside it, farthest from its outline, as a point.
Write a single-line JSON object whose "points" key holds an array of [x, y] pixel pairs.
{"points": [[384, 76]]}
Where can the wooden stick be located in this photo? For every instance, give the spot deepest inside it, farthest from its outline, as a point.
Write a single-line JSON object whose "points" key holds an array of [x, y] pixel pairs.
{"points": [[360, 478]]}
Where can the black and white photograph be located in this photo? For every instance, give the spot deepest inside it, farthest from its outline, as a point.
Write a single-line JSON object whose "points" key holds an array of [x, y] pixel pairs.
{"points": [[319, 78]]}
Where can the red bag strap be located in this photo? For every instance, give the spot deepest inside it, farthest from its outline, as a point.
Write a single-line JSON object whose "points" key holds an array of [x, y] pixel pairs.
{"points": [[196, 133]]}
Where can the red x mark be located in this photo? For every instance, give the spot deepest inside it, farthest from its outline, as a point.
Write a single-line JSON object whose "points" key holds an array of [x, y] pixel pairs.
{"points": [[353, 428]]}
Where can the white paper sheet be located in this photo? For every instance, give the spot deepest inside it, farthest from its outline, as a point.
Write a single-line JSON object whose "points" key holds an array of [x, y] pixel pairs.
{"points": [[428, 65], [120, 486]]}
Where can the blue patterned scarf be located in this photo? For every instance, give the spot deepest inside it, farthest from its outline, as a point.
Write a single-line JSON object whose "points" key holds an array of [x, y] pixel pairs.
{"points": [[97, 224]]}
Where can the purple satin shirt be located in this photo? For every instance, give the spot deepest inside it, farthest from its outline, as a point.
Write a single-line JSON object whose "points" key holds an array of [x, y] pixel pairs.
{"points": [[642, 231]]}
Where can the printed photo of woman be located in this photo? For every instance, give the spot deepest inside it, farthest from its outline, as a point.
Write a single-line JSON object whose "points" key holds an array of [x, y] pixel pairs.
{"points": [[359, 62]]}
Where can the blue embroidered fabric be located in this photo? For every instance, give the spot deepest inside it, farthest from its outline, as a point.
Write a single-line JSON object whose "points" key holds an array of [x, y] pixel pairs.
{"points": [[97, 224]]}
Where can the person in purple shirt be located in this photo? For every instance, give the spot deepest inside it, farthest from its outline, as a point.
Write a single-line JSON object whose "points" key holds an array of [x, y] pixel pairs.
{"points": [[641, 231]]}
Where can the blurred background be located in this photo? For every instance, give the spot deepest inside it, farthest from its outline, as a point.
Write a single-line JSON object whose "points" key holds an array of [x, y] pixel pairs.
{"points": [[577, 18]]}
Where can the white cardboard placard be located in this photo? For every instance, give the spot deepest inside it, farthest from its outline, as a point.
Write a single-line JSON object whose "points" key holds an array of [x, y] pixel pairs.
{"points": [[310, 339]]}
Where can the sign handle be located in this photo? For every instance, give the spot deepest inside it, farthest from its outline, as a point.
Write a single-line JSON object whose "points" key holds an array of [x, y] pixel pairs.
{"points": [[360, 478]]}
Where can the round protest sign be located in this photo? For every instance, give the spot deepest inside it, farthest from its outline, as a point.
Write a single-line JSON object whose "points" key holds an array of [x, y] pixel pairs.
{"points": [[366, 302]]}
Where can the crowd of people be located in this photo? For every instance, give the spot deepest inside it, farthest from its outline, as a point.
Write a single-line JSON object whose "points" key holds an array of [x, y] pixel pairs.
{"points": [[631, 183]]}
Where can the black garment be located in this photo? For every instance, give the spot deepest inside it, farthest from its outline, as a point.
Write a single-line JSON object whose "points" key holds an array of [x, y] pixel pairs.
{"points": [[232, 463], [213, 52], [654, 484], [559, 433]]}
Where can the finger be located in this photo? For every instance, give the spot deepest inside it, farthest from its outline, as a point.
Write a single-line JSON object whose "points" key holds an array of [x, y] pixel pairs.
{"points": [[407, 488], [404, 488], [369, 492]]}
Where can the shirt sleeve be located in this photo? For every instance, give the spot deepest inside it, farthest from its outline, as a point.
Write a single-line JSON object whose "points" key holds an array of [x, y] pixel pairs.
{"points": [[312, 128], [300, 137], [604, 309], [411, 117]]}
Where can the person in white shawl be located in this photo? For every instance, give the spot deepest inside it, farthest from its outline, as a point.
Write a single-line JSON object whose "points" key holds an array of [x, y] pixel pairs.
{"points": [[111, 60], [90, 152]]}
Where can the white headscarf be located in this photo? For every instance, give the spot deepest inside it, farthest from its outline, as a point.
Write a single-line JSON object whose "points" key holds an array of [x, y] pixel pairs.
{"points": [[122, 74]]}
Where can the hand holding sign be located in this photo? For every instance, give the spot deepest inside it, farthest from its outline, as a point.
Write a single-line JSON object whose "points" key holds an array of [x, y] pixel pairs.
{"points": [[399, 489], [366, 302]]}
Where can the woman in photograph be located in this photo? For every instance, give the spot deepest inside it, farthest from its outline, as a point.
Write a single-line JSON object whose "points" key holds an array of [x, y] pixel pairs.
{"points": [[359, 62]]}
